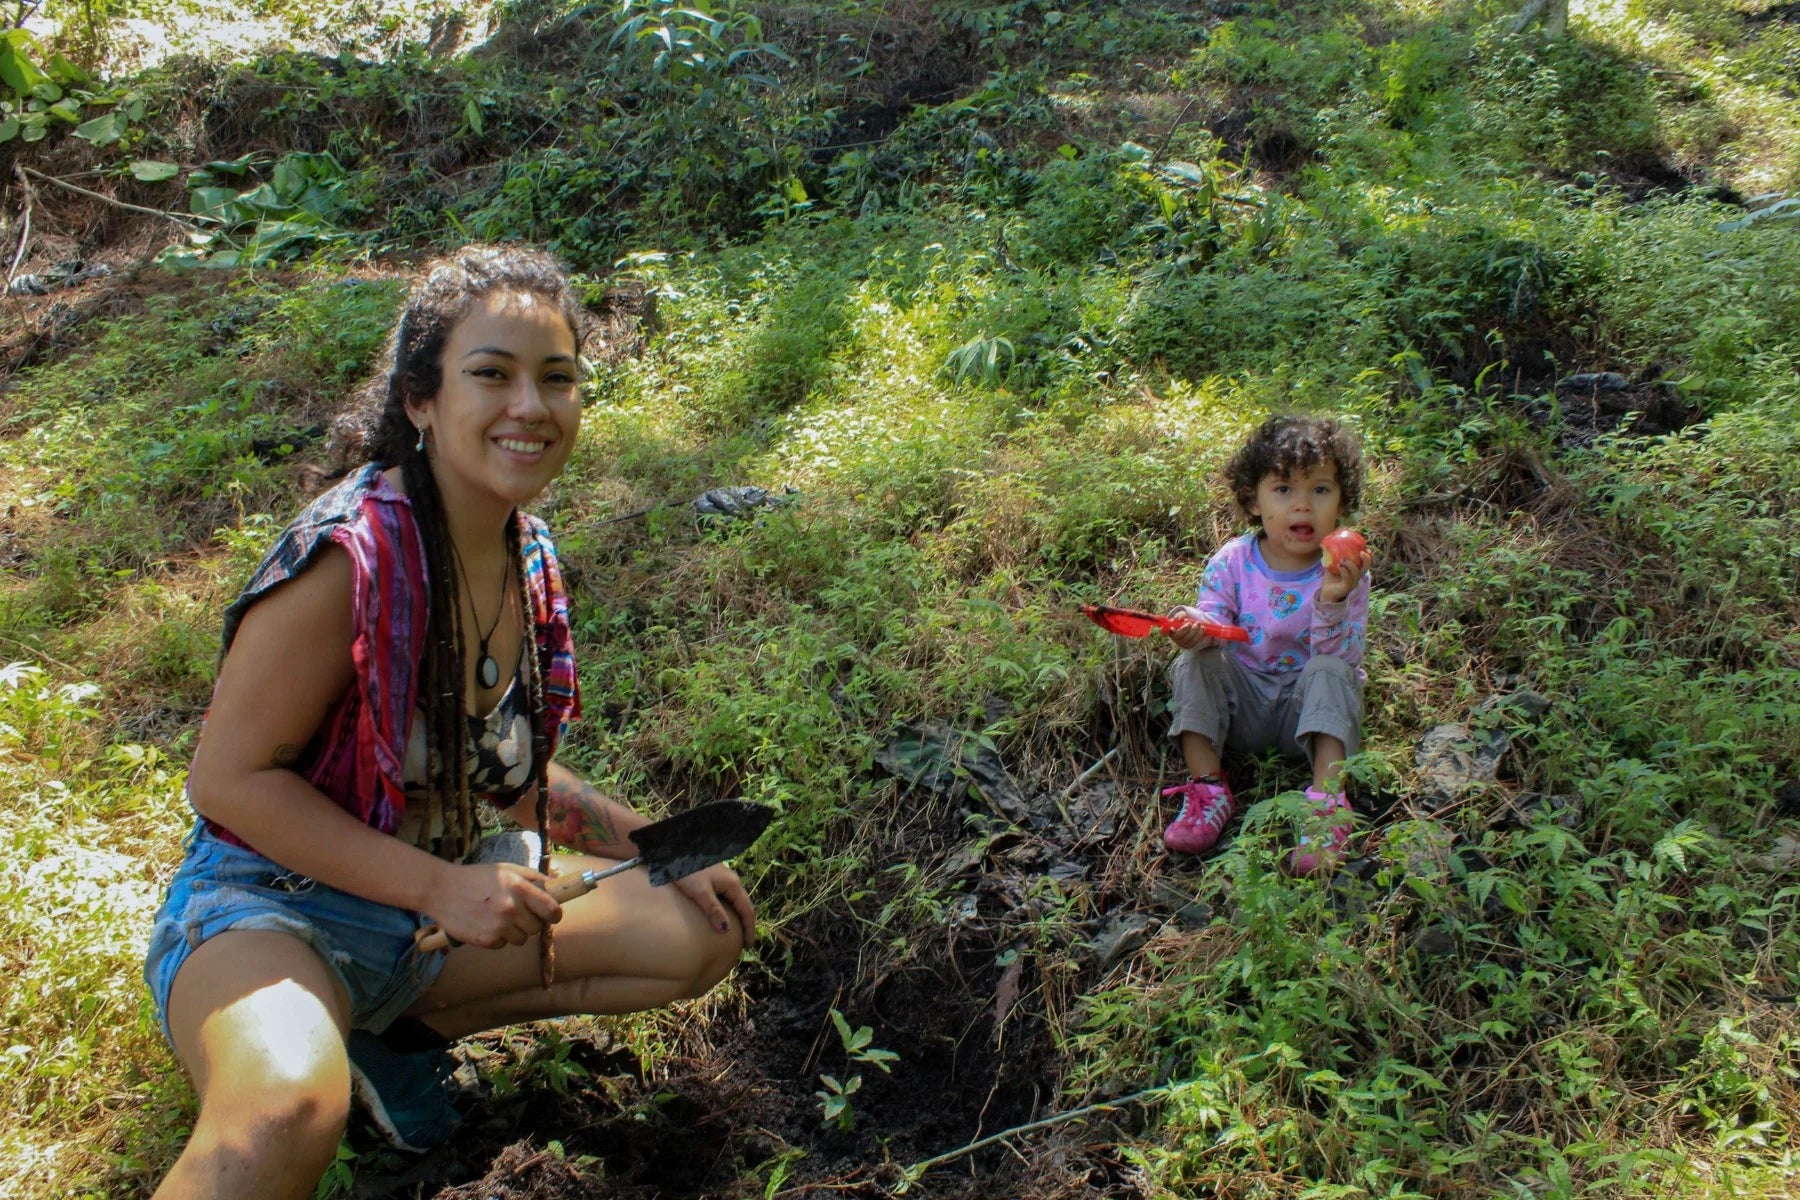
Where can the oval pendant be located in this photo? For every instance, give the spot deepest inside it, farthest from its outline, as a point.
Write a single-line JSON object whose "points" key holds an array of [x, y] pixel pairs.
{"points": [[487, 671]]}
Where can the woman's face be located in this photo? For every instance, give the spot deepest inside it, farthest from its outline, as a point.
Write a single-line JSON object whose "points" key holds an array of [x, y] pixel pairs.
{"points": [[505, 417]]}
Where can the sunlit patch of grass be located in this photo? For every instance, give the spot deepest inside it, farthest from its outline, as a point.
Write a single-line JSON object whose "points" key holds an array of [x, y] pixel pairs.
{"points": [[1729, 80], [92, 832]]}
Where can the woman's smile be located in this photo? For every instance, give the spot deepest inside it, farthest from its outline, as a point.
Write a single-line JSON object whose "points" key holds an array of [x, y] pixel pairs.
{"points": [[504, 421]]}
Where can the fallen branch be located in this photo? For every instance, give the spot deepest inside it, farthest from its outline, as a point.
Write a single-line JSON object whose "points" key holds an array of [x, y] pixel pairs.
{"points": [[1062, 799], [180, 220], [912, 1174], [1089, 773], [11, 641], [25, 232]]}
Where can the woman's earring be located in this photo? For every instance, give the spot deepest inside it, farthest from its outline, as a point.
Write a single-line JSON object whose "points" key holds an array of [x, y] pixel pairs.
{"points": [[421, 446]]}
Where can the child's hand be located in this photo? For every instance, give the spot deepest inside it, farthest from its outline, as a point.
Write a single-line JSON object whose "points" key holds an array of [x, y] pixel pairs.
{"points": [[1343, 575], [1189, 637]]}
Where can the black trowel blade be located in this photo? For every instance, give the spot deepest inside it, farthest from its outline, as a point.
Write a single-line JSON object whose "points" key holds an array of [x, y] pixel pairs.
{"points": [[698, 838]]}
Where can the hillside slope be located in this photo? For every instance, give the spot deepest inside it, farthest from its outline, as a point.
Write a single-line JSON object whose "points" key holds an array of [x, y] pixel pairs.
{"points": [[983, 296]]}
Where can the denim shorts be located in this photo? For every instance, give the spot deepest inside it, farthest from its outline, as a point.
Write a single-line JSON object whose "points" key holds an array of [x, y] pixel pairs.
{"points": [[219, 887]]}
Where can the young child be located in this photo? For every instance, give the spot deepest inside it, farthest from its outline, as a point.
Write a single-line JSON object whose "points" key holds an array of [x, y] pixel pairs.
{"points": [[1297, 683]]}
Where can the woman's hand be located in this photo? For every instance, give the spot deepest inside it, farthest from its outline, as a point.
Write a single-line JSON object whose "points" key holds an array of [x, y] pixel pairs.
{"points": [[491, 904], [707, 888], [1343, 575], [1190, 637]]}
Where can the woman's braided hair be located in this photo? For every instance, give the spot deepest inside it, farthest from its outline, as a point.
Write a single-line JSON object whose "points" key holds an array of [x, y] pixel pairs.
{"points": [[449, 288]]}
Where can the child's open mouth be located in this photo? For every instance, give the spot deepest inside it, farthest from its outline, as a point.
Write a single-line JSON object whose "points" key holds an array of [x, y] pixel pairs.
{"points": [[1303, 532]]}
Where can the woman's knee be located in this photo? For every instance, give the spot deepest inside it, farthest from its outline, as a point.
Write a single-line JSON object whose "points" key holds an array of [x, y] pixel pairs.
{"points": [[714, 959], [298, 1122]]}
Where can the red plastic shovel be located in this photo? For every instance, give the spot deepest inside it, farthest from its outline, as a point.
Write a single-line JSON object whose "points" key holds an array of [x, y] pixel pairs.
{"points": [[1133, 623]]}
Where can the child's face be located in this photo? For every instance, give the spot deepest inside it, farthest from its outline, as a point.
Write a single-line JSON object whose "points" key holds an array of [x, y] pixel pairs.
{"points": [[1298, 509]]}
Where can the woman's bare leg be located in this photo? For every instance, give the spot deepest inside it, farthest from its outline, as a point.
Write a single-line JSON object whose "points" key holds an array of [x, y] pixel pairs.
{"points": [[258, 1019], [623, 947]]}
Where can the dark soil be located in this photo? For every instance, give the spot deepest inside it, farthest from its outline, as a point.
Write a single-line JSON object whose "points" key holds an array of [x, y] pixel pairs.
{"points": [[1578, 414], [1779, 13], [967, 1021], [701, 1127]]}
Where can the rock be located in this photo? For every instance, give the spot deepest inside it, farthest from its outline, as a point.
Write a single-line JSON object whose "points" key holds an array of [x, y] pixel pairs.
{"points": [[1119, 935], [1784, 859], [1532, 704], [1453, 759], [1435, 941], [1190, 912], [730, 503], [1529, 808], [1428, 845], [1602, 381]]}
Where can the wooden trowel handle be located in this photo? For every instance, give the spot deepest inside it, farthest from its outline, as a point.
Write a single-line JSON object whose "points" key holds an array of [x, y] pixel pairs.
{"points": [[562, 888]]}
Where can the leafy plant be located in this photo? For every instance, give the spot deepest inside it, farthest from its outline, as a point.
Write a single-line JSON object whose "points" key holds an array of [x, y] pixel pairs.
{"points": [[57, 92], [835, 1104], [299, 204], [984, 360]]}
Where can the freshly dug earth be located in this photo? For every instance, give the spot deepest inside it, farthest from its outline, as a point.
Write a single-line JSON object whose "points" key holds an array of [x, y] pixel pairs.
{"points": [[710, 1125], [975, 1057]]}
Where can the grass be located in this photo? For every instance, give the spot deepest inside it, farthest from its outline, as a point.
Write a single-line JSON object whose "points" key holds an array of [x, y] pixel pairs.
{"points": [[1423, 237]]}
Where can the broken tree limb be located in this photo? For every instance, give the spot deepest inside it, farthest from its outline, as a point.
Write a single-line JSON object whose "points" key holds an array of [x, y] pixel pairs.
{"points": [[1062, 799], [180, 220], [27, 191], [912, 1174]]}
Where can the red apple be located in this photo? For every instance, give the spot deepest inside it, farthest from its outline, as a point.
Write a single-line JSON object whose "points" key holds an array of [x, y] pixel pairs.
{"points": [[1342, 544]]}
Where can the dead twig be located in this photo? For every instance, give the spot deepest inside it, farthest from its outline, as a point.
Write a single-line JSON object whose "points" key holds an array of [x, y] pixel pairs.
{"points": [[40, 653], [25, 232], [915, 1172], [180, 220]]}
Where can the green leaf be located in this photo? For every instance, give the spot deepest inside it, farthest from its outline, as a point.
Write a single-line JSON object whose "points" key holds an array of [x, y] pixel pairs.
{"points": [[472, 116], [288, 179], [68, 74], [47, 91], [149, 170], [879, 1058], [218, 169], [9, 129], [102, 131], [17, 71], [68, 109], [213, 202]]}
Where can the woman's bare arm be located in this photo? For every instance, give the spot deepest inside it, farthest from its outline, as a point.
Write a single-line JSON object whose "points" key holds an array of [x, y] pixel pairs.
{"points": [[580, 817], [288, 665]]}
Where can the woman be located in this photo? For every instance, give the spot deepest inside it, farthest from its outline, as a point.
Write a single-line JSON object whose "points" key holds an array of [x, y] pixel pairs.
{"points": [[402, 654]]}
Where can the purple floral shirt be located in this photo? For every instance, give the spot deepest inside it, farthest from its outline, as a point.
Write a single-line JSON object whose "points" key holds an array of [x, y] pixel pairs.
{"points": [[1287, 621]]}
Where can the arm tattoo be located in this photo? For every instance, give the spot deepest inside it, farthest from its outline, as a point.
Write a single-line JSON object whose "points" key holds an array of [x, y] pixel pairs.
{"points": [[577, 817]]}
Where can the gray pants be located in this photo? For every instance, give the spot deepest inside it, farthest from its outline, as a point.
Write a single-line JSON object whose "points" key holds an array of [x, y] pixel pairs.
{"points": [[1250, 711]]}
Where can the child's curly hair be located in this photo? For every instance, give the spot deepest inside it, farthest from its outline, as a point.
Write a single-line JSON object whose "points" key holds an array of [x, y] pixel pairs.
{"points": [[1294, 443]]}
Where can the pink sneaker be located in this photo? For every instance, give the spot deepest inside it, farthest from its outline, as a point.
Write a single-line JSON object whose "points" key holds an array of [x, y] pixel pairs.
{"points": [[1206, 805], [1316, 852]]}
